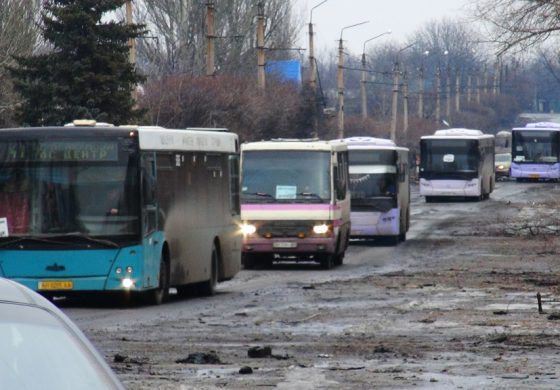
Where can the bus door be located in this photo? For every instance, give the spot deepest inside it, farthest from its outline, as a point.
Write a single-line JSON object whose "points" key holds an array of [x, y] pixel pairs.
{"points": [[151, 235]]}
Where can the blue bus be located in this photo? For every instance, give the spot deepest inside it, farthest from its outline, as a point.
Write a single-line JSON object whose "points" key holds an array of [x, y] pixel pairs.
{"points": [[91, 207]]}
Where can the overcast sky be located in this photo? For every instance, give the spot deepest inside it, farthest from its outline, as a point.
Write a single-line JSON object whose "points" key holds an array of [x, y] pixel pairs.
{"points": [[403, 17]]}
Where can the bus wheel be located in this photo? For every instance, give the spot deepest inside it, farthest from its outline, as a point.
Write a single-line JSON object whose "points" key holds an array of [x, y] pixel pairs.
{"points": [[393, 240], [161, 293], [339, 259], [429, 199], [209, 287], [327, 261], [402, 237], [248, 261]]}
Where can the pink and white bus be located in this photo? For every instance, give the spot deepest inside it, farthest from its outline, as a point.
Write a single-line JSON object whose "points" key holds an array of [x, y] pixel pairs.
{"points": [[295, 202]]}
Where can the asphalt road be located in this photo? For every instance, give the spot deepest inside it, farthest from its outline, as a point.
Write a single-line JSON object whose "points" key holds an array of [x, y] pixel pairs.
{"points": [[453, 307]]}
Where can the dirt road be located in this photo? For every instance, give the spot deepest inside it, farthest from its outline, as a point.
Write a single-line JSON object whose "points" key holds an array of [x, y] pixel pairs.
{"points": [[454, 307]]}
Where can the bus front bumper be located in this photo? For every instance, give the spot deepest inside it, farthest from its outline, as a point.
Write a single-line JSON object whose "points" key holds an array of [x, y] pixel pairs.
{"points": [[450, 187], [535, 171], [79, 284], [366, 223], [289, 245]]}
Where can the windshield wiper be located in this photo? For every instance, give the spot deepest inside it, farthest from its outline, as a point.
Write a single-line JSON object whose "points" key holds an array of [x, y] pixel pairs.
{"points": [[310, 195], [108, 243], [16, 240], [57, 240], [260, 194]]}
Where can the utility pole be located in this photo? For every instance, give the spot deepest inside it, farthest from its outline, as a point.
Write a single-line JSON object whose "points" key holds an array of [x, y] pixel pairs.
{"points": [[364, 75], [447, 92], [132, 46], [363, 88], [405, 104], [396, 75], [469, 87], [457, 90], [340, 84], [312, 64], [477, 88], [421, 93], [210, 39], [260, 47], [438, 94], [496, 75], [340, 80], [485, 79], [131, 41], [421, 82], [313, 69], [394, 106]]}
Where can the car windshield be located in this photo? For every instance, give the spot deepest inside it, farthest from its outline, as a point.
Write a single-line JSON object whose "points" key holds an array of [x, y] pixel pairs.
{"points": [[503, 158], [285, 176], [39, 352]]}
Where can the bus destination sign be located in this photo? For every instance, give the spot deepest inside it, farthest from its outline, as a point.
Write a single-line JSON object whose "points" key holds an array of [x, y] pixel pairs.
{"points": [[35, 151]]}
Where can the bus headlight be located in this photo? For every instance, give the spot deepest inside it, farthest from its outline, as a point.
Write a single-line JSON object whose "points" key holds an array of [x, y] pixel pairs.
{"points": [[127, 283], [321, 229], [248, 229]]}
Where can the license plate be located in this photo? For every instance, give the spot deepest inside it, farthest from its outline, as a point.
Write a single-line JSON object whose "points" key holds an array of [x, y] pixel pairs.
{"points": [[284, 244], [534, 175], [56, 285]]}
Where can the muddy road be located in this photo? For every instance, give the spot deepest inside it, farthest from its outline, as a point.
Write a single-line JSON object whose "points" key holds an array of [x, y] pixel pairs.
{"points": [[453, 307]]}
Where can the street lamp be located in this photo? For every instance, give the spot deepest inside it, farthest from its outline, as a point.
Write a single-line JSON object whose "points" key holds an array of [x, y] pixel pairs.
{"points": [[341, 80], [313, 67], [394, 106], [363, 89], [312, 64]]}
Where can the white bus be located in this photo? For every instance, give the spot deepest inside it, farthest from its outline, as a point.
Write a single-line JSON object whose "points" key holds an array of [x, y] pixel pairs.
{"points": [[295, 203], [380, 189], [536, 152], [135, 209], [457, 163]]}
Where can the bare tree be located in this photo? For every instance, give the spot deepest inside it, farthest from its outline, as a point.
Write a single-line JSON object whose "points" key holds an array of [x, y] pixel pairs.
{"points": [[520, 23], [18, 36], [177, 43]]}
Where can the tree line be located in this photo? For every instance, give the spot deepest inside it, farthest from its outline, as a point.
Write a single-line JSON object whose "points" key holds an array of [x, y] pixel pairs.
{"points": [[67, 59]]}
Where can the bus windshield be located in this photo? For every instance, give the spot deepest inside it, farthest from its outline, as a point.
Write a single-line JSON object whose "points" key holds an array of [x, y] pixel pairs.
{"points": [[450, 156], [73, 193], [535, 146], [375, 191], [286, 176], [372, 157]]}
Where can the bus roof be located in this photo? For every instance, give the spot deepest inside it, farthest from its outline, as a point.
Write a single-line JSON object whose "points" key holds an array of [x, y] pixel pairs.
{"points": [[199, 139], [540, 126], [153, 137], [458, 133], [372, 143], [296, 144]]}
